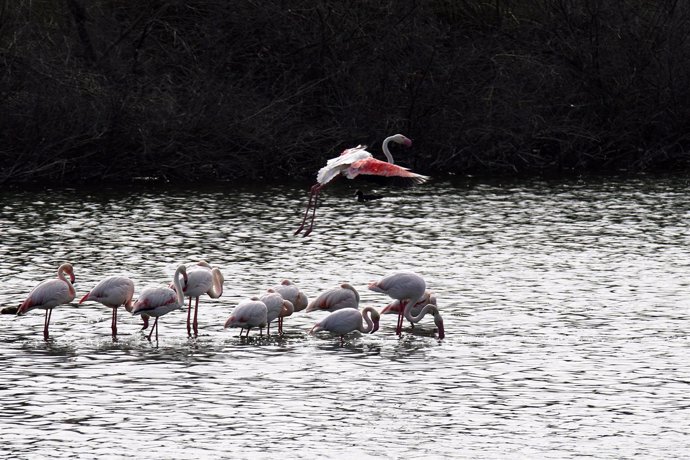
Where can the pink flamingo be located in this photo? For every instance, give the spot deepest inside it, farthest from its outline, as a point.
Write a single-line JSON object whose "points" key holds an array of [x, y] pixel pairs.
{"points": [[291, 293], [394, 307], [112, 292], [158, 301], [347, 320], [248, 314], [351, 163], [49, 294], [404, 286], [343, 296], [276, 308], [201, 279], [419, 310]]}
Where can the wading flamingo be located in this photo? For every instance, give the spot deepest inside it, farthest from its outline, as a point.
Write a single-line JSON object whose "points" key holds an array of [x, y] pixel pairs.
{"points": [[276, 308], [201, 279], [158, 301], [291, 293], [394, 307], [343, 296], [248, 314], [406, 287], [112, 292], [351, 163], [347, 320], [49, 294]]}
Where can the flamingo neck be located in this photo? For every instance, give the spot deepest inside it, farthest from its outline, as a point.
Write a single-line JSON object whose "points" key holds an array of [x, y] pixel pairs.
{"points": [[350, 287], [387, 152], [178, 285], [429, 308], [288, 309], [367, 314], [217, 288], [61, 275]]}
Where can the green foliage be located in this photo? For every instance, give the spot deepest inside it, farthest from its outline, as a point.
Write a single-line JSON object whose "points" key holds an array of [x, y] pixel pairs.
{"points": [[214, 90]]}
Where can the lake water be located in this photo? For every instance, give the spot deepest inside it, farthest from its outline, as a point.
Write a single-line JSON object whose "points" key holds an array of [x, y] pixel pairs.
{"points": [[565, 307]]}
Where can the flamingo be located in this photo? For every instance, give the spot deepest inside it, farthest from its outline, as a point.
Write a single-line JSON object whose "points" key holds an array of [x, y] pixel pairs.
{"points": [[394, 307], [276, 308], [347, 320], [292, 293], [112, 292], [49, 294], [158, 301], [248, 314], [353, 162], [343, 296], [414, 314], [404, 286], [201, 279], [361, 197]]}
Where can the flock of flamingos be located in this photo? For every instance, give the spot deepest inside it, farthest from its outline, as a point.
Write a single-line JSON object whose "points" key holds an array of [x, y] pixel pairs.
{"points": [[406, 288], [412, 300]]}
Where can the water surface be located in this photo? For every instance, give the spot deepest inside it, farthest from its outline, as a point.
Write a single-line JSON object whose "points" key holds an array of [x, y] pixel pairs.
{"points": [[565, 306]]}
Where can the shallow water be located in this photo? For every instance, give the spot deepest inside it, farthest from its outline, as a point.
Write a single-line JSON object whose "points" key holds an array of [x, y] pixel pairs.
{"points": [[564, 303]]}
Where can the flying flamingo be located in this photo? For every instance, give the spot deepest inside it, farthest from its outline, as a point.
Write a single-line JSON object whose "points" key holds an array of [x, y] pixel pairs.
{"points": [[343, 296], [347, 320], [248, 314], [158, 301], [201, 279], [351, 163], [404, 286], [112, 292], [49, 294], [394, 307], [276, 308]]}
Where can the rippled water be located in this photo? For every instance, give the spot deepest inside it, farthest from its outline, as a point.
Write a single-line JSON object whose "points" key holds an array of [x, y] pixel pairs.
{"points": [[565, 307]]}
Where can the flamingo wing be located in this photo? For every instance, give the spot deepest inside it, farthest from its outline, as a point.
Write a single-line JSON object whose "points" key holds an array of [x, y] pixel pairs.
{"points": [[340, 322], [155, 301], [375, 167], [334, 299], [48, 294], [336, 165], [199, 281], [112, 291]]}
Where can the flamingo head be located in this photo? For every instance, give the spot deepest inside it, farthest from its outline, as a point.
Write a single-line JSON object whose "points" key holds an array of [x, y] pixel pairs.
{"points": [[400, 139], [441, 330]]}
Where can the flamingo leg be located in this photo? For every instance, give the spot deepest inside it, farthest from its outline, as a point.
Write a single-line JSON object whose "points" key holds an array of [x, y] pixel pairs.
{"points": [[401, 316], [189, 318], [154, 327], [247, 334], [311, 206], [313, 212], [196, 312], [280, 325], [46, 322], [268, 329], [113, 324]]}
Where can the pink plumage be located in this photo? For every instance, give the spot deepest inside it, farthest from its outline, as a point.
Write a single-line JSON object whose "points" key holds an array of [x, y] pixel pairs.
{"points": [[112, 292], [351, 163], [49, 294], [343, 296]]}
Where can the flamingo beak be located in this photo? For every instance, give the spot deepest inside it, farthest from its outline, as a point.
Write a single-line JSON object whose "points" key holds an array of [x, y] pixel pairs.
{"points": [[376, 327], [407, 142], [441, 330], [72, 278]]}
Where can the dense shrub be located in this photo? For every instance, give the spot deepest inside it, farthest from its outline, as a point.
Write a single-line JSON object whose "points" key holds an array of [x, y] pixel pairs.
{"points": [[111, 90]]}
